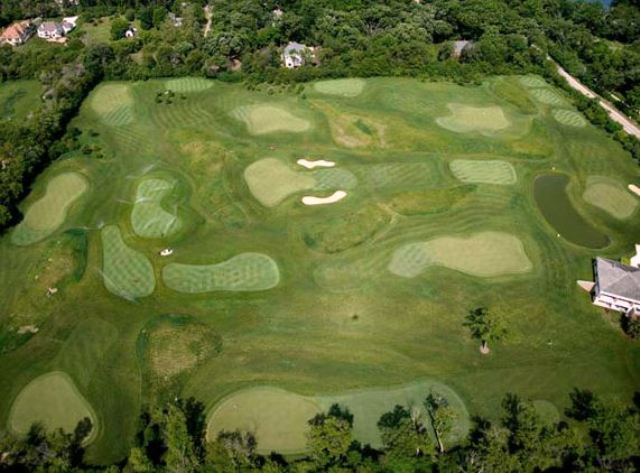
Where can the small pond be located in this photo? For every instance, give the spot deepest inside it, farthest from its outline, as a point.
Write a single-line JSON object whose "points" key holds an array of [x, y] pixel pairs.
{"points": [[550, 193]]}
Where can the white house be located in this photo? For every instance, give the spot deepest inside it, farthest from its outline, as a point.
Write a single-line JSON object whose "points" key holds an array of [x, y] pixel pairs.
{"points": [[50, 30], [617, 286], [295, 54]]}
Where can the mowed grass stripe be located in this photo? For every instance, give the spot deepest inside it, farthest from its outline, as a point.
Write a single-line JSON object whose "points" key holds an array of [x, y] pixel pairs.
{"points": [[483, 172]]}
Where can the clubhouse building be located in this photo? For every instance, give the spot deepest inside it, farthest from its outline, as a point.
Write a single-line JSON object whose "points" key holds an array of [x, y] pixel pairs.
{"points": [[617, 285]]}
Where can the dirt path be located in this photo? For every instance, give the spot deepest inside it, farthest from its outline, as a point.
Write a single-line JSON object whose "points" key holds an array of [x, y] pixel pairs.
{"points": [[208, 14], [616, 115]]}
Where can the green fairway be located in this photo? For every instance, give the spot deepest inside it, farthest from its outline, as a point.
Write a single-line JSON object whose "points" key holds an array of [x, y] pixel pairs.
{"points": [[19, 99], [53, 400], [48, 213], [185, 262]]}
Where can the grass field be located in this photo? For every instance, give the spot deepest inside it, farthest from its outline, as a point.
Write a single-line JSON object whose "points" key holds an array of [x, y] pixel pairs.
{"points": [[18, 99], [282, 308]]}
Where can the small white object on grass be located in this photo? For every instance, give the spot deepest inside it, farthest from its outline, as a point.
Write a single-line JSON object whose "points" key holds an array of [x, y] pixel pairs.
{"points": [[320, 163], [166, 252], [335, 197]]}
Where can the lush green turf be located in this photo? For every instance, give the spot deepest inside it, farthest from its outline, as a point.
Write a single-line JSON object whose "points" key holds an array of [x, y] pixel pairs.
{"points": [[609, 195], [19, 98], [484, 172], [338, 320], [148, 218], [341, 87]]}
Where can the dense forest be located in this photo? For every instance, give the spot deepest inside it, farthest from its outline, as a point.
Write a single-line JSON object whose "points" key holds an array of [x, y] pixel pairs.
{"points": [[595, 436]]}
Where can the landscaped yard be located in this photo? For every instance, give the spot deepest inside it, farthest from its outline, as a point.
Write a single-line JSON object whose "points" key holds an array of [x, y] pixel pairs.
{"points": [[270, 309]]}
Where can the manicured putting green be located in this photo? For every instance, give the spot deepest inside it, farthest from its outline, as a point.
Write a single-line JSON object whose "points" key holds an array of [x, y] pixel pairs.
{"points": [[341, 87], [148, 218], [483, 254], [114, 104], [126, 272], [533, 81], [244, 272], [53, 400], [547, 96], [260, 411], [262, 119], [48, 213], [271, 181], [569, 118], [483, 172], [469, 119], [185, 85], [610, 196]]}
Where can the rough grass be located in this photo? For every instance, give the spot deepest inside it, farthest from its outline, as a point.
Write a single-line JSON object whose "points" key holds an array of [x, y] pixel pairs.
{"points": [[484, 171], [244, 272], [569, 118], [484, 254], [470, 119], [126, 272], [53, 400], [185, 85], [352, 130], [432, 201], [113, 103], [48, 213], [611, 196], [148, 218], [341, 87], [271, 181], [19, 99], [263, 119]]}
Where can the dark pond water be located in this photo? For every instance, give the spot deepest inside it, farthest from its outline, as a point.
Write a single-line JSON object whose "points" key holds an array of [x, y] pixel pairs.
{"points": [[550, 193]]}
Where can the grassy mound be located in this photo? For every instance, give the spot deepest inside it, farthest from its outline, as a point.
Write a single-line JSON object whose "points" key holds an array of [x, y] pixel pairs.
{"points": [[263, 119], [126, 272], [470, 119], [185, 85], [341, 87], [484, 254], [245, 272], [53, 400], [483, 171], [547, 411], [548, 96], [148, 218], [277, 418], [610, 196], [271, 181], [114, 104], [569, 118], [432, 201], [352, 130], [48, 213], [533, 81]]}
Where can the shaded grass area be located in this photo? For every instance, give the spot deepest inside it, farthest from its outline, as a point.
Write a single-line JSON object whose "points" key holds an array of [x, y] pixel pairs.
{"points": [[19, 98], [338, 320]]}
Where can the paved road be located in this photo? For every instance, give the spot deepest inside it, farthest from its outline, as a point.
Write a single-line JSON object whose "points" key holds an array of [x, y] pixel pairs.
{"points": [[616, 115]]}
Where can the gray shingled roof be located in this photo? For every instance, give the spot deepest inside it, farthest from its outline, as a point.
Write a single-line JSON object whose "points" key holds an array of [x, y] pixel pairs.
{"points": [[618, 279], [294, 47]]}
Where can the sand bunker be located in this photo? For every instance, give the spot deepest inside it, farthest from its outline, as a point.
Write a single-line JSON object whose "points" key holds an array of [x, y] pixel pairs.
{"points": [[271, 181], [341, 87], [483, 171], [468, 119], [635, 189], [148, 218], [320, 163], [569, 118], [245, 272], [262, 119], [114, 104], [610, 196], [48, 213], [337, 196], [126, 272], [53, 400], [185, 85], [484, 254]]}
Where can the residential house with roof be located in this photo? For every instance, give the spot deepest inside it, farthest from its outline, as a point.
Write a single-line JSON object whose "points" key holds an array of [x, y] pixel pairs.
{"points": [[17, 33], [617, 286], [53, 30], [296, 54]]}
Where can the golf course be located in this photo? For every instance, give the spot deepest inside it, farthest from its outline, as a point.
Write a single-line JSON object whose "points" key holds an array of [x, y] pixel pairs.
{"points": [[273, 250]]}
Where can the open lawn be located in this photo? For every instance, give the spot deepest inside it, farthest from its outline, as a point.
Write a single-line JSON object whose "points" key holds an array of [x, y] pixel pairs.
{"points": [[18, 99], [268, 310]]}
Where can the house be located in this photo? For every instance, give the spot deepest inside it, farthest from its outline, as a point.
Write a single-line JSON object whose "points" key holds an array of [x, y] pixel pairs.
{"points": [[50, 30], [617, 285], [296, 54], [17, 33]]}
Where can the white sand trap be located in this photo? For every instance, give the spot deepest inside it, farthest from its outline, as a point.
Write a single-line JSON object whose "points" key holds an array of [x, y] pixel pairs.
{"points": [[341, 87], [609, 195], [333, 198], [484, 171], [467, 119], [263, 119], [320, 163], [271, 181], [635, 189], [483, 254]]}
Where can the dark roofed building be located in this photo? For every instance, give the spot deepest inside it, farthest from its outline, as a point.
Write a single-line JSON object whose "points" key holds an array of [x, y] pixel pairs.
{"points": [[617, 286]]}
